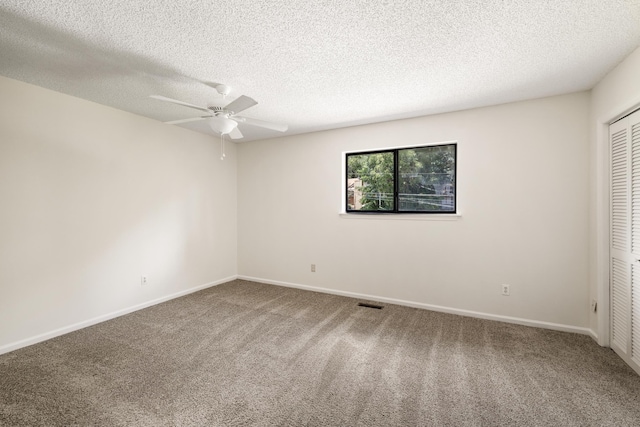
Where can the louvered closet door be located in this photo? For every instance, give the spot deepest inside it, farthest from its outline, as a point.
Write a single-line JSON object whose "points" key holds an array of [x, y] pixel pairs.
{"points": [[625, 239]]}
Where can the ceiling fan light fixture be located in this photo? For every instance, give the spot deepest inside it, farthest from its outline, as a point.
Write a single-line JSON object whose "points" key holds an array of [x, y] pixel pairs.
{"points": [[222, 125]]}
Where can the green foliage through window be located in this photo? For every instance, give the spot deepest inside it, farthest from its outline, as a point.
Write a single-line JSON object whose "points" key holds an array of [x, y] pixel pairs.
{"points": [[417, 180]]}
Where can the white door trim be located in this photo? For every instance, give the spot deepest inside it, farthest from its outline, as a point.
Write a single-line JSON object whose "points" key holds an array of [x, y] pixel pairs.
{"points": [[603, 197]]}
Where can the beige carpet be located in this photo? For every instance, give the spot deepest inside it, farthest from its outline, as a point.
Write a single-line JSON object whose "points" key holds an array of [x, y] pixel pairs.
{"points": [[243, 354]]}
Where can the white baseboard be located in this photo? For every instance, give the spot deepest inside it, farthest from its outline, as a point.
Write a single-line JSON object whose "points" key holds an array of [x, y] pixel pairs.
{"points": [[65, 330], [460, 312], [90, 322]]}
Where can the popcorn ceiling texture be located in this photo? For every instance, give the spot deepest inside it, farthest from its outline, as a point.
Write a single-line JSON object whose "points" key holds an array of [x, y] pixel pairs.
{"points": [[316, 64]]}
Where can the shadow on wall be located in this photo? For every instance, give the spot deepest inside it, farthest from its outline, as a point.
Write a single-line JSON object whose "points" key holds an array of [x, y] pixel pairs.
{"points": [[82, 222]]}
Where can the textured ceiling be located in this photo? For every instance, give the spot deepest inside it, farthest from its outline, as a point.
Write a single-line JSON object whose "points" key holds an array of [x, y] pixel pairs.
{"points": [[316, 64]]}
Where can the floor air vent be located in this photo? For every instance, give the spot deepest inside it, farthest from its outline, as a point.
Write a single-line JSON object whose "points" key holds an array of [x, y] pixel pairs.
{"points": [[377, 307]]}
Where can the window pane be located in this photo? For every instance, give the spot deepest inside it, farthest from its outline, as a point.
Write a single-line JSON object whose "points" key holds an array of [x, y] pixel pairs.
{"points": [[427, 179], [370, 182]]}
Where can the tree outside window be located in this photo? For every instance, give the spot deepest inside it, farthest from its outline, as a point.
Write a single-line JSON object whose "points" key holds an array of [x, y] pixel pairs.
{"points": [[424, 181]]}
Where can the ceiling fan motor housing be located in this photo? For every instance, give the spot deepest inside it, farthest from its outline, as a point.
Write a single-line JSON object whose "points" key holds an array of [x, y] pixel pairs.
{"points": [[223, 89]]}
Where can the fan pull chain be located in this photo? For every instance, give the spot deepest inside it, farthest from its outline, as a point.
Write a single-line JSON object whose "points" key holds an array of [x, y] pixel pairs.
{"points": [[222, 154]]}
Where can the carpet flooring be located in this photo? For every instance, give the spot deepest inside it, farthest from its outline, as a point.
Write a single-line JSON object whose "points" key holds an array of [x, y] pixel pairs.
{"points": [[250, 354]]}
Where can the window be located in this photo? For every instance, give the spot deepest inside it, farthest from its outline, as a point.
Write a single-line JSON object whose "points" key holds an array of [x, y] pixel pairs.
{"points": [[404, 180]]}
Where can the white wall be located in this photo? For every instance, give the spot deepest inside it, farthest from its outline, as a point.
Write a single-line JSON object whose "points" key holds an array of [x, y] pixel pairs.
{"points": [[617, 93], [523, 194], [91, 198]]}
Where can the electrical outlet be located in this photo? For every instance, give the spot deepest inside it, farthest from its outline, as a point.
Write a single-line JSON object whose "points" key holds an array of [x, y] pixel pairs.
{"points": [[506, 290], [594, 305], [313, 268], [144, 280]]}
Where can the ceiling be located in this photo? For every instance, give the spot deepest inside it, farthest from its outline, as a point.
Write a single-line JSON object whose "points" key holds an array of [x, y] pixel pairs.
{"points": [[314, 64]]}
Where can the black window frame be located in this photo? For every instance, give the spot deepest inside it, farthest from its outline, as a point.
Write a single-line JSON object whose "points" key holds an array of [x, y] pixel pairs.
{"points": [[396, 195]]}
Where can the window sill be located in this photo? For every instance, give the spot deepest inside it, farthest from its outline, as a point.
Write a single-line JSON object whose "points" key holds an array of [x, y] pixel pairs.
{"points": [[396, 216]]}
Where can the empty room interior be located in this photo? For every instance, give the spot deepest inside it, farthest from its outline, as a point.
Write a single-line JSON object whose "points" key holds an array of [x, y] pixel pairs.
{"points": [[320, 213]]}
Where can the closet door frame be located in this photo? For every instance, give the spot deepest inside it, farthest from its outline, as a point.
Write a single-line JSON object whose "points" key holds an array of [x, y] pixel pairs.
{"points": [[602, 271]]}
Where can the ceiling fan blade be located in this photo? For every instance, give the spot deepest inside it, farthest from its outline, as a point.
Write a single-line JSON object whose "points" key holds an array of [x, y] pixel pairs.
{"points": [[240, 104], [193, 119], [263, 124], [175, 101], [236, 134]]}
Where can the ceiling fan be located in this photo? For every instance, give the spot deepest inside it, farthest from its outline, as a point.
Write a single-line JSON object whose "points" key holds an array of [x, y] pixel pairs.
{"points": [[224, 120]]}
